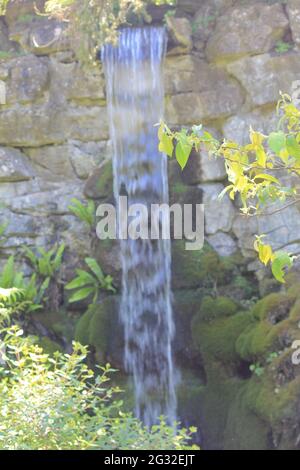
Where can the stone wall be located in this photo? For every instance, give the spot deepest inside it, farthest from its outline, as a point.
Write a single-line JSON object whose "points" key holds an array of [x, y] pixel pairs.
{"points": [[226, 63]]}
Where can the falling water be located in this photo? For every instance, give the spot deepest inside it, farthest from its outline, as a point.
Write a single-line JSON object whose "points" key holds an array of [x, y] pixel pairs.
{"points": [[135, 98]]}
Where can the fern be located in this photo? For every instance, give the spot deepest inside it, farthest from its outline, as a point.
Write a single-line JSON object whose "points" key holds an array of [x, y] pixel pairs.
{"points": [[89, 284], [85, 213]]}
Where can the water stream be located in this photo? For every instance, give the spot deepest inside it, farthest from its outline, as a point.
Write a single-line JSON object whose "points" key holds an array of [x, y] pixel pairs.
{"points": [[135, 97]]}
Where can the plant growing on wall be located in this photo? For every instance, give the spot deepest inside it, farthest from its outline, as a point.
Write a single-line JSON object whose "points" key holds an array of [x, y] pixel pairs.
{"points": [[47, 265], [256, 172], [90, 283], [94, 22]]}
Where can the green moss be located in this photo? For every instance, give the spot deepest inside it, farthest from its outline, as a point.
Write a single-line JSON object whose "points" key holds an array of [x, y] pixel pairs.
{"points": [[83, 327], [277, 304], [104, 182], [96, 327], [188, 396], [99, 329], [214, 308], [273, 316], [186, 269], [215, 401], [49, 346], [244, 429], [93, 327], [216, 340]]}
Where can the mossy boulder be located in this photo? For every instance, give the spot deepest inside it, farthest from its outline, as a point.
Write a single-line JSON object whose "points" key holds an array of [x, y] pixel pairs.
{"points": [[49, 346], [216, 340], [245, 430], [101, 329], [274, 325], [107, 253], [99, 185], [186, 303], [199, 268]]}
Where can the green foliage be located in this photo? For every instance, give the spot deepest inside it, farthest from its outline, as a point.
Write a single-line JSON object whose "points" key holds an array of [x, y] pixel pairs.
{"points": [[57, 403], [3, 228], [256, 171], [282, 47], [46, 264], [257, 369], [219, 307], [96, 22], [84, 212], [32, 294], [3, 5], [90, 283]]}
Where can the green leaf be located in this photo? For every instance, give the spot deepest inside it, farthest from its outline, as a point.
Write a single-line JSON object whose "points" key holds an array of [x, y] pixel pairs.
{"points": [[166, 145], [81, 294], [266, 177], [277, 142], [95, 268], [183, 151], [293, 147], [281, 261], [58, 257]]}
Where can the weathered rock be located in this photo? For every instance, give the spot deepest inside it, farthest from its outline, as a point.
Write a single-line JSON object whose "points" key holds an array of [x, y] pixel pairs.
{"points": [[2, 92], [46, 200], [52, 162], [37, 125], [293, 10], [219, 215], [237, 128], [48, 37], [187, 6], [86, 157], [18, 10], [244, 229], [247, 29], [222, 243], [202, 168], [180, 31], [264, 76], [100, 183], [14, 166], [204, 22], [71, 82], [5, 44], [182, 74], [28, 79], [221, 97]]}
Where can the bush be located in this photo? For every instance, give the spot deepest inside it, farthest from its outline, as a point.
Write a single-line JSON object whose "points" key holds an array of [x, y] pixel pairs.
{"points": [[57, 403]]}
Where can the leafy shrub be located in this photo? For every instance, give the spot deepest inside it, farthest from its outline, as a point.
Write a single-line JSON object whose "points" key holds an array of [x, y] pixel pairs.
{"points": [[32, 294], [90, 283], [56, 402]]}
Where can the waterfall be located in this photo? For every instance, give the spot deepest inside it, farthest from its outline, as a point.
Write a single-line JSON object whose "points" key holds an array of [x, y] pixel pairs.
{"points": [[135, 97]]}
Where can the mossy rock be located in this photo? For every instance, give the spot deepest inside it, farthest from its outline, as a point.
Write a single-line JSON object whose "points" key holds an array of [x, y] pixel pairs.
{"points": [[60, 322], [192, 269], [275, 318], [244, 429], [100, 184], [212, 308], [186, 268], [49, 346], [214, 403], [186, 303], [100, 328], [274, 307], [189, 391], [216, 340], [107, 253]]}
